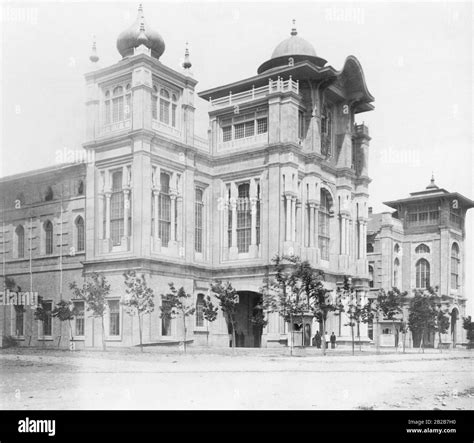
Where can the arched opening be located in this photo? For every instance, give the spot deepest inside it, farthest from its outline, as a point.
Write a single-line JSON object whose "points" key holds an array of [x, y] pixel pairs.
{"points": [[454, 326], [249, 319]]}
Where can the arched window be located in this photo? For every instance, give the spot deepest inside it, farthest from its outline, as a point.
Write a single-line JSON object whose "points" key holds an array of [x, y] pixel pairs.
{"points": [[422, 249], [174, 106], [396, 269], [118, 104], [370, 248], [323, 224], [20, 241], [422, 274], [48, 196], [198, 219], [116, 209], [244, 218], [396, 249], [257, 221], [371, 276], [80, 233], [80, 187], [454, 266], [48, 230], [107, 108], [164, 209], [200, 310]]}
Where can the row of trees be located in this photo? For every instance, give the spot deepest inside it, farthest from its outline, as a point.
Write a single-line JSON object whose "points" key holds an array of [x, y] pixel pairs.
{"points": [[294, 290]]}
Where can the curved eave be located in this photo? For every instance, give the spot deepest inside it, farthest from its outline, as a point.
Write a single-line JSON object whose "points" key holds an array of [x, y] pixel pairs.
{"points": [[352, 76]]}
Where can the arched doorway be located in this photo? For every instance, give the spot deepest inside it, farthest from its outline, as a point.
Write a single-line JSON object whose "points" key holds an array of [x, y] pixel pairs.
{"points": [[248, 318], [454, 326]]}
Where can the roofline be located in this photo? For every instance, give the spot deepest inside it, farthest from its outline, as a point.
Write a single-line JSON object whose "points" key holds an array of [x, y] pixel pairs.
{"points": [[467, 201], [46, 170]]}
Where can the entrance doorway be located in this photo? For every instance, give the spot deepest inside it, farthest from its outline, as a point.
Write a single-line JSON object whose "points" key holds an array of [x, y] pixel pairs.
{"points": [[248, 317]]}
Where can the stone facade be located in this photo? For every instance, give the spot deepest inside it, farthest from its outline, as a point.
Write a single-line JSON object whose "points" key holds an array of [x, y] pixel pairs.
{"points": [[284, 170], [421, 244]]}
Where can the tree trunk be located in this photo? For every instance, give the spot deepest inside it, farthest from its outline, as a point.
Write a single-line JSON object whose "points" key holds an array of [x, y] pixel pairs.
{"points": [[323, 336], [104, 348], [440, 342], [207, 336], [352, 333], [292, 335], [233, 337], [140, 331], [184, 324], [377, 341], [358, 336]]}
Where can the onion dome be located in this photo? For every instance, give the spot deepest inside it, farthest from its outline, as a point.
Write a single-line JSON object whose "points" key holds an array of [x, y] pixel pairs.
{"points": [[187, 62], [140, 34], [292, 50], [94, 58]]}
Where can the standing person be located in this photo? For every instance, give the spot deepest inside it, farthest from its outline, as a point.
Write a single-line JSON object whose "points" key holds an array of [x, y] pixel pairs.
{"points": [[326, 339], [333, 341], [317, 339]]}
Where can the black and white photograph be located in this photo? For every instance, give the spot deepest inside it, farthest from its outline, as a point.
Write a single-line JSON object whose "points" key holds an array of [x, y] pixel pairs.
{"points": [[236, 206]]}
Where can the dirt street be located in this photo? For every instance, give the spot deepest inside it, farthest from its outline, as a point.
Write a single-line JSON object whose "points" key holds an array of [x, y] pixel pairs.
{"points": [[250, 379]]}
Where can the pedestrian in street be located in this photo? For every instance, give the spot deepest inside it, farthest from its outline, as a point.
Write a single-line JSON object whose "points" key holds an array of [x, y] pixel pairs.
{"points": [[326, 340], [317, 340], [333, 340]]}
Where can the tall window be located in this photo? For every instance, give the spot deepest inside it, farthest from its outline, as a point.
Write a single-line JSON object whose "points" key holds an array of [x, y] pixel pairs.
{"points": [[396, 269], [326, 131], [48, 230], [396, 249], [164, 209], [454, 266], [48, 323], [20, 240], [199, 310], [422, 274], [168, 107], [370, 248], [257, 221], [80, 233], [19, 320], [371, 276], [79, 318], [422, 249], [165, 319], [229, 219], [114, 317], [198, 212], [300, 125], [455, 216], [116, 209], [244, 218], [118, 104], [154, 103], [323, 225]]}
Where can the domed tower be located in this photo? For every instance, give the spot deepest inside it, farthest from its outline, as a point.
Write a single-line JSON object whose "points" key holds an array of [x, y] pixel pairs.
{"points": [[139, 33], [292, 50]]}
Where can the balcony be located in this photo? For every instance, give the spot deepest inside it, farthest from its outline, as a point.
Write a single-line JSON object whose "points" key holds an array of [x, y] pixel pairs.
{"points": [[273, 86], [361, 129], [117, 126]]}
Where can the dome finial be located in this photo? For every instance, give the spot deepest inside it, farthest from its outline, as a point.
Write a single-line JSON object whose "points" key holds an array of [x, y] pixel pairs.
{"points": [[187, 62], [94, 58], [432, 184], [293, 30]]}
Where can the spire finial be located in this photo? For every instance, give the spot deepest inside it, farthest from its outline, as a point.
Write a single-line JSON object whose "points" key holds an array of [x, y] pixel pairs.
{"points": [[432, 184], [94, 58], [293, 30], [187, 62]]}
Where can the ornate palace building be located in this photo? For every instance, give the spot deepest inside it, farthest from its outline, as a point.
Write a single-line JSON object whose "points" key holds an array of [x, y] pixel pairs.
{"points": [[284, 170], [421, 245]]}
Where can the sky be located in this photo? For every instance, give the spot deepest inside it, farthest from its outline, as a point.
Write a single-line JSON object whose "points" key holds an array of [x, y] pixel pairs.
{"points": [[416, 57]]}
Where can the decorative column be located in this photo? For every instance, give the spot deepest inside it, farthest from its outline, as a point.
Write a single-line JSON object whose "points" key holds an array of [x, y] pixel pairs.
{"points": [[173, 216], [156, 230], [179, 222], [126, 208], [101, 215], [343, 234], [311, 207], [225, 224]]}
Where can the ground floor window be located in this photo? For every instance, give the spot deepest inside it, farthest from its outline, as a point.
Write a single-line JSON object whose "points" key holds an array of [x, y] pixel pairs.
{"points": [[79, 318], [114, 317], [48, 320], [165, 318], [19, 320]]}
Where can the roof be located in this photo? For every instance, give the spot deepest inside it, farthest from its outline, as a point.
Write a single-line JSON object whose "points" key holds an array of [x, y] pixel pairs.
{"points": [[47, 170]]}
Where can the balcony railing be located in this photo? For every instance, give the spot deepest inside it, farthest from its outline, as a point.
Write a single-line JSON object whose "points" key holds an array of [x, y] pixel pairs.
{"points": [[112, 127], [278, 85], [361, 129]]}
